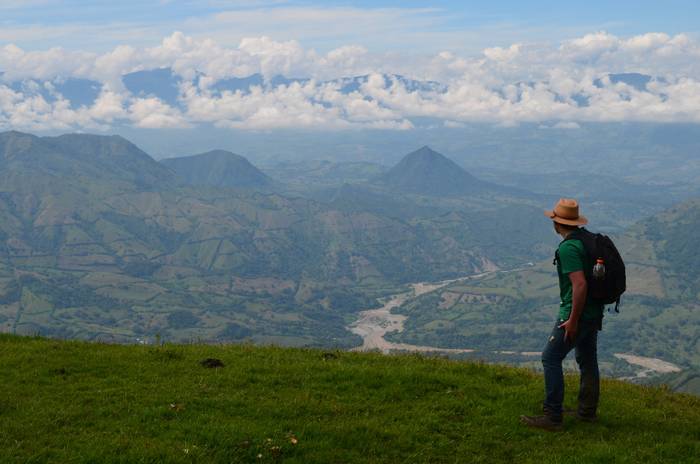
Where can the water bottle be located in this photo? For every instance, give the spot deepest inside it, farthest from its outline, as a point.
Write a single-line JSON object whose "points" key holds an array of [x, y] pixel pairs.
{"points": [[599, 269]]}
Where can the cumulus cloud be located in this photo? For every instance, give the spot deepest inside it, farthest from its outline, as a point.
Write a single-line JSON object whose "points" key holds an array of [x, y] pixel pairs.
{"points": [[19, 64], [151, 113], [502, 54], [559, 86]]}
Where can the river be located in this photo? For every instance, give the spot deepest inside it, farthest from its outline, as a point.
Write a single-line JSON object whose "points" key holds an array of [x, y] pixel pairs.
{"points": [[373, 324]]}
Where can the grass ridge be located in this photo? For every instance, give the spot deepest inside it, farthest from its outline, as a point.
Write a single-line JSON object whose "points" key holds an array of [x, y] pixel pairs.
{"points": [[79, 402]]}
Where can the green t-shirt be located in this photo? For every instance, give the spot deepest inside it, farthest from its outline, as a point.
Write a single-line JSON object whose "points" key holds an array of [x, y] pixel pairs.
{"points": [[572, 258]]}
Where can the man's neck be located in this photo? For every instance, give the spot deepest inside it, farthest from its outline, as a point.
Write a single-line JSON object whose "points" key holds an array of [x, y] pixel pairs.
{"points": [[565, 233]]}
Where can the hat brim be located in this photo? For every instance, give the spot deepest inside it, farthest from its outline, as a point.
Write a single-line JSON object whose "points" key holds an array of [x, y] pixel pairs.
{"points": [[580, 221]]}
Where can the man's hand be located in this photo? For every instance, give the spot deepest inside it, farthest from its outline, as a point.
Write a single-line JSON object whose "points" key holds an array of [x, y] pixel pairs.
{"points": [[570, 328]]}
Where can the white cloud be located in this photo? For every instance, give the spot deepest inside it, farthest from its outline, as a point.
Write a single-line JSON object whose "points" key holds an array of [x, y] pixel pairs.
{"points": [[590, 46], [502, 54], [151, 113], [19, 64], [560, 85], [108, 107]]}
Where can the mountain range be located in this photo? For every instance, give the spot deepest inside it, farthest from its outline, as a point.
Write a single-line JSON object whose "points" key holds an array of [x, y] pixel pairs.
{"points": [[164, 84], [101, 241]]}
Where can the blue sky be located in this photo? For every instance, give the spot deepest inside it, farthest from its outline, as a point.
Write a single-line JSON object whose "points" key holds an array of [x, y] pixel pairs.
{"points": [[381, 25]]}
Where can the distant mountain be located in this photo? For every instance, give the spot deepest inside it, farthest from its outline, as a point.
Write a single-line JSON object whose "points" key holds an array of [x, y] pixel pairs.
{"points": [[353, 84], [165, 84], [218, 168], [636, 80], [79, 160], [162, 83], [78, 92], [245, 84], [427, 172]]}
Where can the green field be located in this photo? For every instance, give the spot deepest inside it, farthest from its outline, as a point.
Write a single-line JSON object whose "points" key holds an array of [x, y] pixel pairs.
{"points": [[77, 402]]}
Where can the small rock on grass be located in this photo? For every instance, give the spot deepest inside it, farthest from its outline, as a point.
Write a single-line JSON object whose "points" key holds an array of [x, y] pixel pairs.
{"points": [[211, 363]]}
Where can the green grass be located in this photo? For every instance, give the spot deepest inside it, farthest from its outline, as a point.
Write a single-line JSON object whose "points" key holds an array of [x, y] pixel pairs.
{"points": [[78, 402]]}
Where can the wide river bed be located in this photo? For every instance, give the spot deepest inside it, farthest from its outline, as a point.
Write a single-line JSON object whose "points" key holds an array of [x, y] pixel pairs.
{"points": [[373, 324]]}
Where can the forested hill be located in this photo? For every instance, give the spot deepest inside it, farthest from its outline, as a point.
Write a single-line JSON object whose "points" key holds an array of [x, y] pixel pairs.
{"points": [[83, 402], [100, 241], [218, 168], [671, 240]]}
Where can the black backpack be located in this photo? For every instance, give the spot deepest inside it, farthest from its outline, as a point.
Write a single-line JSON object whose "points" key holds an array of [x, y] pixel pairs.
{"points": [[613, 284]]}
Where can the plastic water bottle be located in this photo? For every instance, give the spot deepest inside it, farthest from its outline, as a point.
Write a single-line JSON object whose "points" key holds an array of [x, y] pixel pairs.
{"points": [[599, 269]]}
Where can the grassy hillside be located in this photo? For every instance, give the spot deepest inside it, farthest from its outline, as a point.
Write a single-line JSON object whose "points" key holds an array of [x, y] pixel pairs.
{"points": [[80, 402]]}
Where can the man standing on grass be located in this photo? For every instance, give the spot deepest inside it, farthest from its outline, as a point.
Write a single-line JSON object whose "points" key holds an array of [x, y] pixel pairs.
{"points": [[577, 327]]}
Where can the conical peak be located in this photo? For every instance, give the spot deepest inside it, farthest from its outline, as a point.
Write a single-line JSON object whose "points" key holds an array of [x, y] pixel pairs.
{"points": [[428, 157], [425, 151]]}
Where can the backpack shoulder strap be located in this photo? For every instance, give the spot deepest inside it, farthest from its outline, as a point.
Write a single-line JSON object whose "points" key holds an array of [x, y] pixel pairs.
{"points": [[588, 240], [572, 236], [579, 234]]}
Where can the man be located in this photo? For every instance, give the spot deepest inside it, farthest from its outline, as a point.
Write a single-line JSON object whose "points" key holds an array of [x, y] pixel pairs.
{"points": [[577, 326]]}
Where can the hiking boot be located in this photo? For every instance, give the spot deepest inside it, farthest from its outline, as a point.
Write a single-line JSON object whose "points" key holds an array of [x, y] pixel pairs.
{"points": [[542, 422], [582, 417], [586, 417]]}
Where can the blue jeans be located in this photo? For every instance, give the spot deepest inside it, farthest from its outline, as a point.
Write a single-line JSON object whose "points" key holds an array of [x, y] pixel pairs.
{"points": [[555, 351]]}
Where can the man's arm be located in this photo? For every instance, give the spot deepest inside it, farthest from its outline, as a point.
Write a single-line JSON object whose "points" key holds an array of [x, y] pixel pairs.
{"points": [[579, 291]]}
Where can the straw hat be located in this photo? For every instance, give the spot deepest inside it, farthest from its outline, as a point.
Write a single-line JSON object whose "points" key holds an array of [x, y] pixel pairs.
{"points": [[566, 212]]}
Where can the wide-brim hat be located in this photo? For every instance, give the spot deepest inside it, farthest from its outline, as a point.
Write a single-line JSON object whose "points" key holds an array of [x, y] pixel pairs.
{"points": [[566, 212]]}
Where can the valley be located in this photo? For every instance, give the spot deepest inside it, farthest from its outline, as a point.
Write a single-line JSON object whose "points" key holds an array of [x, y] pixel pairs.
{"points": [[101, 242], [104, 243]]}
